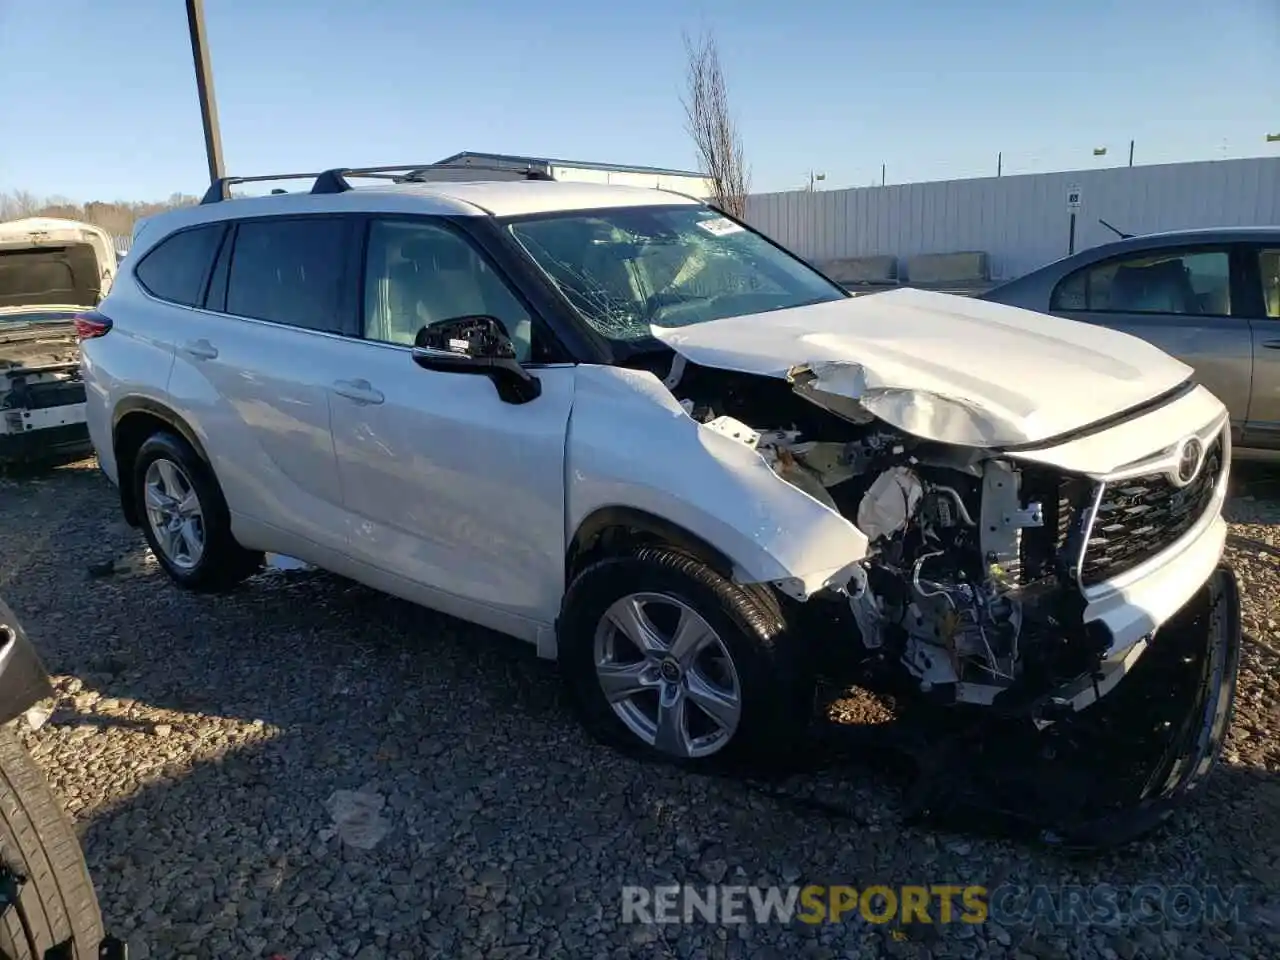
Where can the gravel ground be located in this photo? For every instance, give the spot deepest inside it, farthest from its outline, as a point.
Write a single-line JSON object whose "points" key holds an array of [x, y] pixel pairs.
{"points": [[203, 746]]}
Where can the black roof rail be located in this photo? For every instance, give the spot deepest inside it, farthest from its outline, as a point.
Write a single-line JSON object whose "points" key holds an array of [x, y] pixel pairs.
{"points": [[335, 180], [220, 189], [416, 175]]}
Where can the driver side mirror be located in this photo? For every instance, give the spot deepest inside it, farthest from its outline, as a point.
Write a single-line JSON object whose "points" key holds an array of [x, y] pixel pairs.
{"points": [[476, 344]]}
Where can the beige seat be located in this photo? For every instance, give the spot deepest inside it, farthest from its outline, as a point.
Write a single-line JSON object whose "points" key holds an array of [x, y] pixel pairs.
{"points": [[439, 278]]}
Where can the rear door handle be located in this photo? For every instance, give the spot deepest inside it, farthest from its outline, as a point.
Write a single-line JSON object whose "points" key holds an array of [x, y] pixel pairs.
{"points": [[361, 391], [201, 349], [1271, 344]]}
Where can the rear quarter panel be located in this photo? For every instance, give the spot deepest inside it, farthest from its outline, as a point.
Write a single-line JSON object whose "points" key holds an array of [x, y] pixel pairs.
{"points": [[133, 361]]}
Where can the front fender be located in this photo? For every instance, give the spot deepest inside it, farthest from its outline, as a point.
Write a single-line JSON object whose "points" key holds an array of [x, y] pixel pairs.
{"points": [[631, 445], [23, 679]]}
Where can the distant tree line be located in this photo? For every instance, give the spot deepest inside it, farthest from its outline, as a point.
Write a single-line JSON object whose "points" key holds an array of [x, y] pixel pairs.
{"points": [[116, 218]]}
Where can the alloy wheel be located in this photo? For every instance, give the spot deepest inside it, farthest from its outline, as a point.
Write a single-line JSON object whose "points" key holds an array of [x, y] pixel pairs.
{"points": [[174, 513], [668, 675]]}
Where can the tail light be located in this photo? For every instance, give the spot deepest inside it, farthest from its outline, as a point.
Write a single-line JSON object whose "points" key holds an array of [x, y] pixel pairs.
{"points": [[91, 325]]}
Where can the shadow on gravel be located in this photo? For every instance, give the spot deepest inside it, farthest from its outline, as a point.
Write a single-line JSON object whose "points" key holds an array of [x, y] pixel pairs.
{"points": [[489, 789], [1254, 479]]}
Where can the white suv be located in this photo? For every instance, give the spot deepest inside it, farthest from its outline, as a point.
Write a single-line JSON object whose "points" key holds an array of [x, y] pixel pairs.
{"points": [[629, 429]]}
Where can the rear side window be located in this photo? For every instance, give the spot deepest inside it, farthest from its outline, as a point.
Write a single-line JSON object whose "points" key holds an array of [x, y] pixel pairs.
{"points": [[177, 268], [1195, 283], [289, 271]]}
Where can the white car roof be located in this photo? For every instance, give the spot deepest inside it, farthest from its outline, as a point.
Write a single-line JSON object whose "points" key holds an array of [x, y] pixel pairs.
{"points": [[476, 198], [510, 198]]}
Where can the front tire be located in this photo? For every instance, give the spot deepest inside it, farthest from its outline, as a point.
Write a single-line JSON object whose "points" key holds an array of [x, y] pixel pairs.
{"points": [[663, 656], [56, 903], [185, 518]]}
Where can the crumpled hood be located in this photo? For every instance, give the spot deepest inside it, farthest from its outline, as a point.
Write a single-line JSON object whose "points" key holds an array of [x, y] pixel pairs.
{"points": [[939, 366]]}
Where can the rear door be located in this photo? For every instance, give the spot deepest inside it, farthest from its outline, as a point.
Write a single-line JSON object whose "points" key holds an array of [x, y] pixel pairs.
{"points": [[1185, 300], [1262, 299], [252, 373]]}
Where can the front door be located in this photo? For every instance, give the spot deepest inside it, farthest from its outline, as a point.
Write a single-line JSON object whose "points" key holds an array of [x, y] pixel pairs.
{"points": [[1263, 429], [446, 484]]}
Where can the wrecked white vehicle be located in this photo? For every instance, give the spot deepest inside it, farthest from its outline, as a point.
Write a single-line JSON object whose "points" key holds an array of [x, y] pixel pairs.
{"points": [[50, 271], [628, 429]]}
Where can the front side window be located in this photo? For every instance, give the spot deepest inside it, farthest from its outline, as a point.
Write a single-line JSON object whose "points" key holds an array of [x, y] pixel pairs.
{"points": [[1196, 284], [418, 273], [176, 268], [1269, 267], [289, 271], [624, 269]]}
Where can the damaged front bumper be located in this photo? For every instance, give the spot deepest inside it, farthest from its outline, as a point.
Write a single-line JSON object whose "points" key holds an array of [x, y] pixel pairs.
{"points": [[1111, 773], [42, 398]]}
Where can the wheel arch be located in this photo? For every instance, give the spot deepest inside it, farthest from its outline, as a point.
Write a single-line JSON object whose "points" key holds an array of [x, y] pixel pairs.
{"points": [[136, 419], [608, 530]]}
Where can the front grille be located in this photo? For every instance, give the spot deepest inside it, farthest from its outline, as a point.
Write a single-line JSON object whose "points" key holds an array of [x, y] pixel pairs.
{"points": [[1140, 517], [1044, 552]]}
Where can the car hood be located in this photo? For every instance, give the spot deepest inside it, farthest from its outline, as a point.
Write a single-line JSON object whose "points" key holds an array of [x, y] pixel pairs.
{"points": [[942, 367], [35, 274]]}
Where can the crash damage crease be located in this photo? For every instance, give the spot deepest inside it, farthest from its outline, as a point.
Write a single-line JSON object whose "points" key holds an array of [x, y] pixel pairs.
{"points": [[971, 596]]}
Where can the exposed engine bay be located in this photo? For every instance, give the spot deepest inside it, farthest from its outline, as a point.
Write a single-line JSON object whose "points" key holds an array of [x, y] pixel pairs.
{"points": [[970, 594], [41, 392], [950, 589]]}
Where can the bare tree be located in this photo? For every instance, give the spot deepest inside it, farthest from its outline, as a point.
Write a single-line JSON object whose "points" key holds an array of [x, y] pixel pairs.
{"points": [[118, 217], [16, 205], [712, 126]]}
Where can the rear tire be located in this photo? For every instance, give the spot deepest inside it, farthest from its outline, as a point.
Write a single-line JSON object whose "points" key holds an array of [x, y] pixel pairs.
{"points": [[745, 702], [185, 518], [56, 903]]}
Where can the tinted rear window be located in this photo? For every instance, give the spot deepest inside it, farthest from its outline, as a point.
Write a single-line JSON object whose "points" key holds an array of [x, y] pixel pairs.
{"points": [[289, 271], [176, 269]]}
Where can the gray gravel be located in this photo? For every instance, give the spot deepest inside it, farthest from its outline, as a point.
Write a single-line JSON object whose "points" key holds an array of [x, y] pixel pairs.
{"points": [[201, 744]]}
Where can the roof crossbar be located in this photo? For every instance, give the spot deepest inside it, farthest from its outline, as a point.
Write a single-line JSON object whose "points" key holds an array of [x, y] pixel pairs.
{"points": [[335, 180]]}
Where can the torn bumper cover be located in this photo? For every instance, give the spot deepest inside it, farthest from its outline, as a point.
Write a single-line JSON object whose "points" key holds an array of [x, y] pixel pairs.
{"points": [[1111, 773]]}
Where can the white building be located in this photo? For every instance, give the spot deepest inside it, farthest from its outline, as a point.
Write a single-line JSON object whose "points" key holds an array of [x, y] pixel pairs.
{"points": [[1006, 226]]}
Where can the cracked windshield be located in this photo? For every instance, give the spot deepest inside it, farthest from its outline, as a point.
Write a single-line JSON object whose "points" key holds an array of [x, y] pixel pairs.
{"points": [[624, 270]]}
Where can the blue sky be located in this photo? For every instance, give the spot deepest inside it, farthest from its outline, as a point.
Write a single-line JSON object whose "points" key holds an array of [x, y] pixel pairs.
{"points": [[931, 88]]}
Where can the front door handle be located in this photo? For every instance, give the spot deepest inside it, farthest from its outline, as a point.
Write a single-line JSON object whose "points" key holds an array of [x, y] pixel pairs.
{"points": [[201, 349], [361, 391], [1271, 344]]}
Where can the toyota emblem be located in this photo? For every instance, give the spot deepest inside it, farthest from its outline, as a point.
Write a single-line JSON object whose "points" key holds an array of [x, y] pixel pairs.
{"points": [[1190, 456]]}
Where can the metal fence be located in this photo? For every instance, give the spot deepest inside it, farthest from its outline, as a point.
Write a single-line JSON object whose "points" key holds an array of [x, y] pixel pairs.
{"points": [[1021, 222]]}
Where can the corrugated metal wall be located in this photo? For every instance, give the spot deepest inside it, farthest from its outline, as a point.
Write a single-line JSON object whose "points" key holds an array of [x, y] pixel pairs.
{"points": [[1021, 221]]}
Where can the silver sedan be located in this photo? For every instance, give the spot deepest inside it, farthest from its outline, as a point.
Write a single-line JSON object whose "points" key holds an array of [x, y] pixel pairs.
{"points": [[1209, 297]]}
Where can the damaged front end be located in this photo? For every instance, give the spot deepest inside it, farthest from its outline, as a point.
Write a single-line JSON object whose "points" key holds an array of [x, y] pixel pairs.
{"points": [[1107, 775], [42, 399], [981, 601]]}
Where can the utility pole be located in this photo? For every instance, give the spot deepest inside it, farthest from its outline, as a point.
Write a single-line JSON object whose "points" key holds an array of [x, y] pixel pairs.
{"points": [[999, 163], [882, 168], [1131, 153], [814, 178], [204, 87]]}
